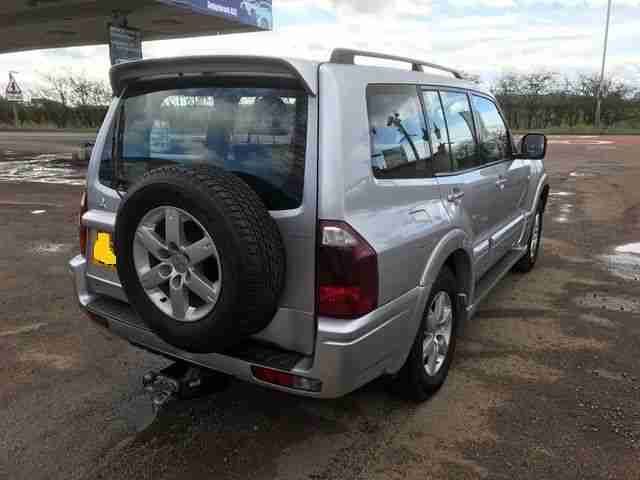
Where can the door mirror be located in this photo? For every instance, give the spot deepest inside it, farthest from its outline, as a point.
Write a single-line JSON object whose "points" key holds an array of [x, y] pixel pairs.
{"points": [[533, 146]]}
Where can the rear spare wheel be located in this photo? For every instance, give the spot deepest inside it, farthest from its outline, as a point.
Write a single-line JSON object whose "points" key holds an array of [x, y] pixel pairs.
{"points": [[199, 257]]}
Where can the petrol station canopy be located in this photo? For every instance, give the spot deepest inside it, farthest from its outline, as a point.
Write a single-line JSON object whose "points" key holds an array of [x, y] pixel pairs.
{"points": [[37, 24]]}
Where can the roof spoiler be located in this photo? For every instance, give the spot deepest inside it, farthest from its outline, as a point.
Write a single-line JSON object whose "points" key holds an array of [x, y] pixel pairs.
{"points": [[220, 65]]}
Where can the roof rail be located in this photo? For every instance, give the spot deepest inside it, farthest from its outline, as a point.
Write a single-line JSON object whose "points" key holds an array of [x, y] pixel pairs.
{"points": [[347, 57]]}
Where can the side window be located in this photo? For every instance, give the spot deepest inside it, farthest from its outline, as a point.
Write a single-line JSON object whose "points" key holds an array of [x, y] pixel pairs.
{"points": [[396, 128], [461, 131], [437, 132], [493, 135]]}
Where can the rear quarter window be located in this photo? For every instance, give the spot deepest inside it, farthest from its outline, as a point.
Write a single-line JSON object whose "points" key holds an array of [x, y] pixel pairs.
{"points": [[399, 148]]}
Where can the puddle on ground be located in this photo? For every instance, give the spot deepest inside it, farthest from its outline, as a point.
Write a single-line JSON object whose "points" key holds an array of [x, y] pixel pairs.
{"points": [[624, 262], [581, 174], [597, 320], [45, 168], [45, 248], [565, 208], [624, 265], [633, 248], [600, 372], [607, 302]]}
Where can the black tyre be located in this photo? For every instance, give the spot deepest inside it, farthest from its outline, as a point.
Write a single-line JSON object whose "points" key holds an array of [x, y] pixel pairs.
{"points": [[528, 261], [427, 366], [199, 257]]}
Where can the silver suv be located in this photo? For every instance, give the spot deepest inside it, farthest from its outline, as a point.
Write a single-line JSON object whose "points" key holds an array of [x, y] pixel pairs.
{"points": [[304, 226]]}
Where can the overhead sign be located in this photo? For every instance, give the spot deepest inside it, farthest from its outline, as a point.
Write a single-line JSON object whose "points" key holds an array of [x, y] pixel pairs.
{"points": [[26, 25], [13, 92], [125, 44], [250, 12]]}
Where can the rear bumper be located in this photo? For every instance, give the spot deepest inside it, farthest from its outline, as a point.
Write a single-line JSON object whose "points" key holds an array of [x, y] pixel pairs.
{"points": [[348, 354]]}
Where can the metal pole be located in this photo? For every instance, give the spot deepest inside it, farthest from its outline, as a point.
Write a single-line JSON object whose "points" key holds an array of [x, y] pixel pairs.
{"points": [[604, 58], [15, 115]]}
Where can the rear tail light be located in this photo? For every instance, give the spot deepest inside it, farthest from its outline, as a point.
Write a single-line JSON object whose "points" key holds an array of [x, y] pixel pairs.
{"points": [[83, 232], [284, 379], [347, 272]]}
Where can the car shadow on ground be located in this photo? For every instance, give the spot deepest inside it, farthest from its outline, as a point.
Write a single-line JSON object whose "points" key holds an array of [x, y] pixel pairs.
{"points": [[247, 430]]}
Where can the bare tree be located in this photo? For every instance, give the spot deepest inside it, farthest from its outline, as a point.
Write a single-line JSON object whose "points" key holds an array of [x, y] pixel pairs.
{"points": [[534, 87], [542, 100], [507, 88], [55, 87]]}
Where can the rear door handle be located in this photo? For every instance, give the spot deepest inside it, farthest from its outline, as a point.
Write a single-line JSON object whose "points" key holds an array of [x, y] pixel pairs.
{"points": [[455, 195]]}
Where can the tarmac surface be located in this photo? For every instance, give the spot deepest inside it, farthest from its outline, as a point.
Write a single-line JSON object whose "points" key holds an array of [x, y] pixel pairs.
{"points": [[546, 381]]}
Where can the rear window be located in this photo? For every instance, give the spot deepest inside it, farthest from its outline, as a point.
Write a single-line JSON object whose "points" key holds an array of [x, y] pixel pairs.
{"points": [[257, 133]]}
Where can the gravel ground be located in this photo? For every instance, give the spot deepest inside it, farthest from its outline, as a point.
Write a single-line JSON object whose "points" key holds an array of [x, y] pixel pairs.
{"points": [[546, 383]]}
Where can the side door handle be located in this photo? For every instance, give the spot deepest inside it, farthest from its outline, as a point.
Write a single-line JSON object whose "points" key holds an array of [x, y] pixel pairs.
{"points": [[420, 215], [455, 195]]}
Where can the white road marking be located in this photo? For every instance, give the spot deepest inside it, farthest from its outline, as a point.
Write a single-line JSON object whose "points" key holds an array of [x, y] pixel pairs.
{"points": [[581, 142]]}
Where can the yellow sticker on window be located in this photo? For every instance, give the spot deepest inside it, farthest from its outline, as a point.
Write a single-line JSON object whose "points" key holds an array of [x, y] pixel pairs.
{"points": [[103, 253]]}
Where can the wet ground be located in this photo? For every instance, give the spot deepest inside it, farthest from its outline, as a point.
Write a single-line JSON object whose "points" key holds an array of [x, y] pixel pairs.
{"points": [[546, 383], [42, 141]]}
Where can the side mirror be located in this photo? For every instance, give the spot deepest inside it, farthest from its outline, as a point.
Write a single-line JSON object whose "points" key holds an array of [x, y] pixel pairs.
{"points": [[533, 146]]}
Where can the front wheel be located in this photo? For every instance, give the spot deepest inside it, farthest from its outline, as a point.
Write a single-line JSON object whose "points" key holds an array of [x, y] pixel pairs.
{"points": [[528, 261], [427, 366]]}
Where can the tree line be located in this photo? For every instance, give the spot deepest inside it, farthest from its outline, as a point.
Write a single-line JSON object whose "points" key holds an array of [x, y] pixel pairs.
{"points": [[546, 100], [68, 100], [533, 100]]}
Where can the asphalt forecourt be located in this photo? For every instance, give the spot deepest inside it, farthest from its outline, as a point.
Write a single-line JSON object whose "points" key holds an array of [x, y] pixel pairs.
{"points": [[546, 383]]}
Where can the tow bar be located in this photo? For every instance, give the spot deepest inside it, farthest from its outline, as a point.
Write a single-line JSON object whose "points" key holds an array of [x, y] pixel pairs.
{"points": [[182, 381]]}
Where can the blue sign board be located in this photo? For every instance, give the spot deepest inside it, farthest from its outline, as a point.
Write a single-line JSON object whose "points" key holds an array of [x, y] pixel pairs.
{"points": [[257, 13]]}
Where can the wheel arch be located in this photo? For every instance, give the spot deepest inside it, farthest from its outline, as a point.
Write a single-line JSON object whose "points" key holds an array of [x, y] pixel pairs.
{"points": [[541, 195], [544, 196], [452, 251]]}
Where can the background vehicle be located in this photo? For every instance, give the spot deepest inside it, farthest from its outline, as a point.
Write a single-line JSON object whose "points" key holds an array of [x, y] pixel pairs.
{"points": [[300, 225], [259, 11]]}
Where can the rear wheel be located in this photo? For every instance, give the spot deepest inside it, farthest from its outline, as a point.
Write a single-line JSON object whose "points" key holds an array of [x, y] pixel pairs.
{"points": [[427, 366]]}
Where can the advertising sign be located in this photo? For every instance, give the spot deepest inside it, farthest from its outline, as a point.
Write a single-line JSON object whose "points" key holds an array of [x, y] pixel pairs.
{"points": [[125, 44], [13, 93], [258, 13]]}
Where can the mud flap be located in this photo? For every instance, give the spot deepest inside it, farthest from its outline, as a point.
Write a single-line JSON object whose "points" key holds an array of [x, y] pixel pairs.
{"points": [[462, 304]]}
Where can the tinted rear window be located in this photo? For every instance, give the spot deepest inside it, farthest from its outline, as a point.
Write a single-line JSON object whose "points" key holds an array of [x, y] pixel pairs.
{"points": [[257, 133]]}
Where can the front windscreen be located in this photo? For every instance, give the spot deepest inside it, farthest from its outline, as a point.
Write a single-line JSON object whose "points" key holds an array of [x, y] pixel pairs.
{"points": [[257, 133]]}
